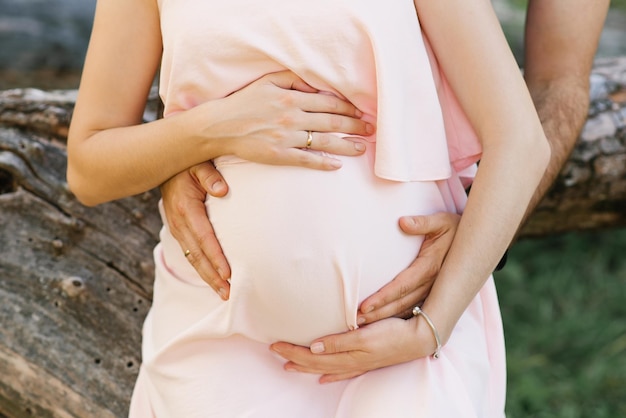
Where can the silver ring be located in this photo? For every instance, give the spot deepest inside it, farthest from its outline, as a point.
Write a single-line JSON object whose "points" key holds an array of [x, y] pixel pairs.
{"points": [[309, 139]]}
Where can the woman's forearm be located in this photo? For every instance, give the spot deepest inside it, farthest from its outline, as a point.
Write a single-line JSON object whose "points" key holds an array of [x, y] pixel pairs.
{"points": [[501, 191], [265, 122], [111, 154], [122, 161], [470, 47]]}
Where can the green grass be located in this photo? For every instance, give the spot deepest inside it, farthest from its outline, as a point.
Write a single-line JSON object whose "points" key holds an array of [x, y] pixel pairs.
{"points": [[615, 4], [563, 302]]}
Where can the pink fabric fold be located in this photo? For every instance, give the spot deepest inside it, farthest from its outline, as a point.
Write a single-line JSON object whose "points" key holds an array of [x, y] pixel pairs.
{"points": [[421, 125], [421, 128]]}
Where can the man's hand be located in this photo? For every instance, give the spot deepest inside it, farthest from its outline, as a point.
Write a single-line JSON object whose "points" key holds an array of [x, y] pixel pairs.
{"points": [[183, 202], [412, 285]]}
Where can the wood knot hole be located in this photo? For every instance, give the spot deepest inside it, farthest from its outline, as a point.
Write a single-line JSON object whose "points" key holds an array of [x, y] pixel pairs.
{"points": [[73, 286], [7, 182]]}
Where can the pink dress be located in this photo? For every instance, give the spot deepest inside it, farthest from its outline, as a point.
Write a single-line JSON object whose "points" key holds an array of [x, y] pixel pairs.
{"points": [[306, 246]]}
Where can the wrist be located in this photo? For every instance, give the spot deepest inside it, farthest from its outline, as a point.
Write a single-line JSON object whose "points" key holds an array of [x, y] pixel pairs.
{"points": [[203, 126], [431, 327]]}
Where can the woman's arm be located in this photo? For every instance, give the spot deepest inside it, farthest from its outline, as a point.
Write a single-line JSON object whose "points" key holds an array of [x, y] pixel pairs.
{"points": [[120, 66], [480, 67], [560, 44], [470, 46], [111, 154]]}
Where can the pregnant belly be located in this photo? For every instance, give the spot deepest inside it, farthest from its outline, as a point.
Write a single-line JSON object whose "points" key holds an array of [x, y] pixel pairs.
{"points": [[306, 246]]}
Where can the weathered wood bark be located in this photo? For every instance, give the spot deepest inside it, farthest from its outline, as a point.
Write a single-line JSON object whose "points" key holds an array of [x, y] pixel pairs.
{"points": [[76, 282]]}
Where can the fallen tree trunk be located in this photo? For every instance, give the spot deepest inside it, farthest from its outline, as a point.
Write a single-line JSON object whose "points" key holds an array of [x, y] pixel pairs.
{"points": [[76, 282]]}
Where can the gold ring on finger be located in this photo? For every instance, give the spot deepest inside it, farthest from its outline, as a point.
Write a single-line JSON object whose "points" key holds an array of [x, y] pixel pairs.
{"points": [[309, 139], [187, 252]]}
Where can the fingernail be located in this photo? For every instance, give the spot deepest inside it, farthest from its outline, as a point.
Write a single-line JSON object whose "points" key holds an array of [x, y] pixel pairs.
{"points": [[223, 294], [360, 320], [335, 163], [369, 128], [359, 146], [368, 309], [408, 220], [218, 186], [275, 349], [317, 348], [358, 113]]}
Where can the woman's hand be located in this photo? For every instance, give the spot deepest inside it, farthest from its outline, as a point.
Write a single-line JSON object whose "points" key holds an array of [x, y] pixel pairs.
{"points": [[183, 202], [344, 356], [412, 285], [385, 340], [268, 122]]}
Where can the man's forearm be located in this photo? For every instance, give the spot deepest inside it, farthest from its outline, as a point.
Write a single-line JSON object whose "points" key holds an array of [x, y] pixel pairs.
{"points": [[561, 39], [562, 106]]}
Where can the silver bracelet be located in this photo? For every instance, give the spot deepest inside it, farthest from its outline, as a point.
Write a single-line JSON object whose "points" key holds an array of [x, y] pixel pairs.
{"points": [[418, 311]]}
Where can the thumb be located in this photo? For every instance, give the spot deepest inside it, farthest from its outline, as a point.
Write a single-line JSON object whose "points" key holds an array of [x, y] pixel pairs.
{"points": [[415, 225], [434, 224], [290, 81], [210, 179], [333, 344]]}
